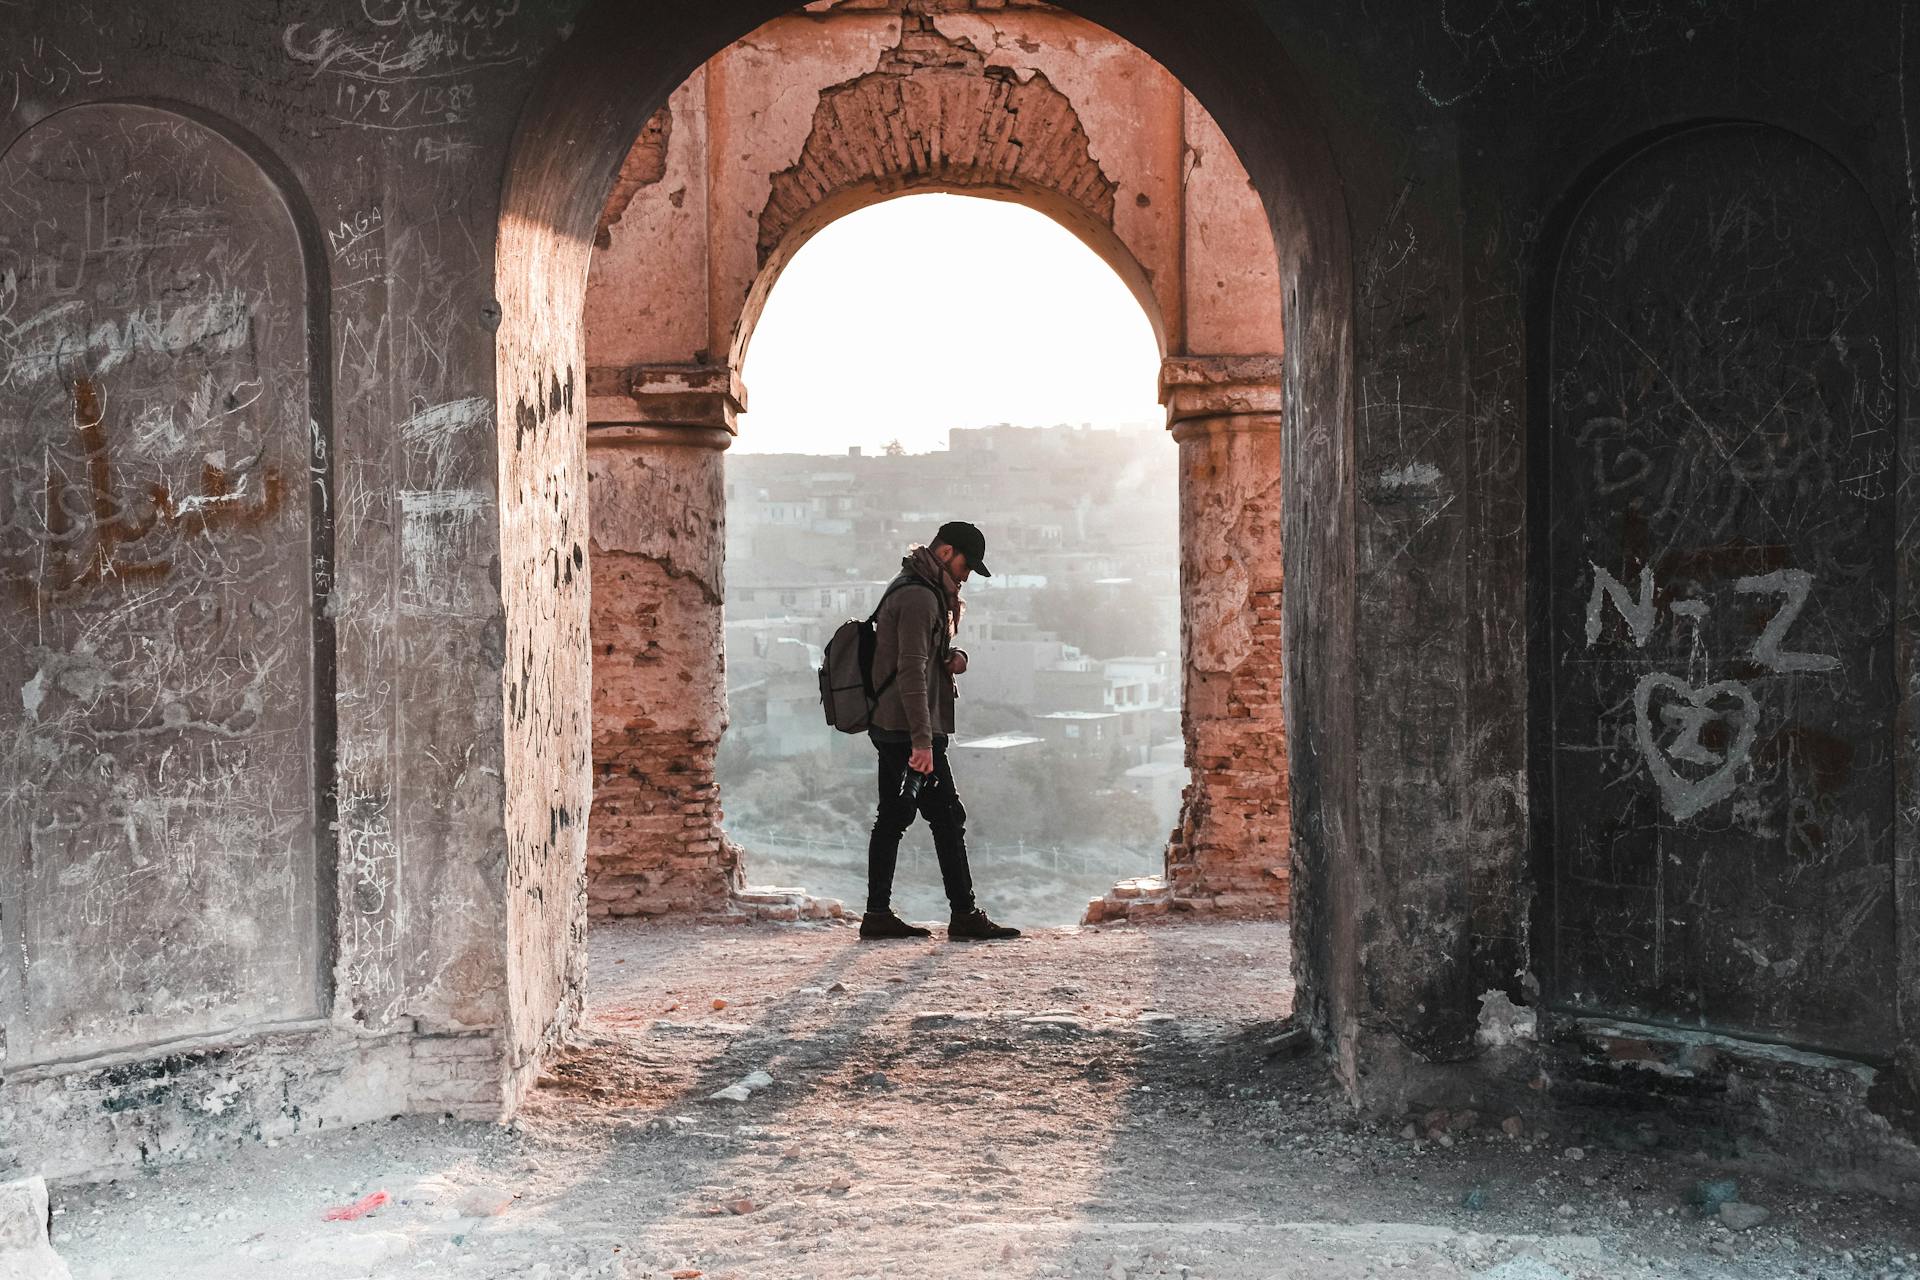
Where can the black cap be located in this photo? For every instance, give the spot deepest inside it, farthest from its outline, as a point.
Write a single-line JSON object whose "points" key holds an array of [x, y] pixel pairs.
{"points": [[968, 541]]}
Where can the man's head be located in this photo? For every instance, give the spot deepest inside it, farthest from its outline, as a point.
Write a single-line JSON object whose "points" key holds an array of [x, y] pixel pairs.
{"points": [[962, 548]]}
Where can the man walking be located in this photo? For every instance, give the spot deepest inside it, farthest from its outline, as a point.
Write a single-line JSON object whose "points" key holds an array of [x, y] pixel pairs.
{"points": [[914, 664]]}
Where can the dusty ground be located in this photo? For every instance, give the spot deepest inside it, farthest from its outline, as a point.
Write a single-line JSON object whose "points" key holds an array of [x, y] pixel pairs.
{"points": [[1078, 1103]]}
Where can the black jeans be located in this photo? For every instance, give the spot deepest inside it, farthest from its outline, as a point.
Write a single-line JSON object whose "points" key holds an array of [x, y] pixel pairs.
{"points": [[940, 805]]}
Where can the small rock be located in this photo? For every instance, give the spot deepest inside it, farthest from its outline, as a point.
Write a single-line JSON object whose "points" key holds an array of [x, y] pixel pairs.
{"points": [[757, 1081], [1288, 1044], [838, 986], [1711, 1193], [24, 1249], [1409, 1133], [1514, 1127], [1575, 1153], [1475, 1199], [484, 1202], [718, 1003], [743, 1205], [874, 1080], [1742, 1216], [732, 1093]]}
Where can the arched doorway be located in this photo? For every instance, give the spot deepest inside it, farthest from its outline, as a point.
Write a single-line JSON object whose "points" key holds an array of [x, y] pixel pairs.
{"points": [[784, 132], [608, 79], [1014, 383]]}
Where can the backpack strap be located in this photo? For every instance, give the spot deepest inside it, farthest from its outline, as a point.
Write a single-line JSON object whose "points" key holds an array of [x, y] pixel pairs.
{"points": [[904, 580]]}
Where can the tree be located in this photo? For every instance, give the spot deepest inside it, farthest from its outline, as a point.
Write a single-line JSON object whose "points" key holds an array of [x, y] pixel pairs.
{"points": [[894, 448]]}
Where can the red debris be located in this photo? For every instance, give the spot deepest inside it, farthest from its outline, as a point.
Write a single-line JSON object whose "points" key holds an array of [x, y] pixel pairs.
{"points": [[358, 1209]]}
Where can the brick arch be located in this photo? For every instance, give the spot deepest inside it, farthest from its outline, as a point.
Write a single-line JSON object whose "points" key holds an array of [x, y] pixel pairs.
{"points": [[596, 92], [934, 116], [754, 154]]}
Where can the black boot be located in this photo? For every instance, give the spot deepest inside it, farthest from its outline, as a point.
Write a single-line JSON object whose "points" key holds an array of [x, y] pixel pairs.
{"points": [[885, 924], [974, 926]]}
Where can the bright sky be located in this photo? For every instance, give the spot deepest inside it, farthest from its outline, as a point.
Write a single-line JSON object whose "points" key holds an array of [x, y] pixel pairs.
{"points": [[934, 311]]}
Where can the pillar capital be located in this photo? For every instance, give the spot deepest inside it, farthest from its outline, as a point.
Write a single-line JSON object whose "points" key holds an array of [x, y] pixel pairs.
{"points": [[1233, 393], [693, 405]]}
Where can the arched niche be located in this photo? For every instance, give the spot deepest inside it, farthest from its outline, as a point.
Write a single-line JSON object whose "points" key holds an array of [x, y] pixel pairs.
{"points": [[165, 800], [1715, 482]]}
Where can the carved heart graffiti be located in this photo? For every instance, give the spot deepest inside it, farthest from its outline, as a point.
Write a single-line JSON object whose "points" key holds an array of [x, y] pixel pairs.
{"points": [[1686, 796]]}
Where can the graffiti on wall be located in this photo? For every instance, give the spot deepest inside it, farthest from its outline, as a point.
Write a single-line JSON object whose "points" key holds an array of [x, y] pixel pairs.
{"points": [[1718, 486], [1705, 732], [157, 786]]}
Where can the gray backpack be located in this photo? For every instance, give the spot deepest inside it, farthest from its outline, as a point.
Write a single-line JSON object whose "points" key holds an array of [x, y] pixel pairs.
{"points": [[847, 694]]}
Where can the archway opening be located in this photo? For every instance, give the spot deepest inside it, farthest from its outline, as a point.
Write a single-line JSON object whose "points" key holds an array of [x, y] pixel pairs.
{"points": [[939, 357], [577, 129], [1063, 125]]}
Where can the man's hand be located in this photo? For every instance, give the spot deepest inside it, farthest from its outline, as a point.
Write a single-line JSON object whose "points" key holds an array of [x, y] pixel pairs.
{"points": [[957, 662], [921, 761]]}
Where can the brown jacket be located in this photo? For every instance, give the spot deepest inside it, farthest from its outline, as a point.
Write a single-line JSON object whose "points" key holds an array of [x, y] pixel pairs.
{"points": [[911, 648]]}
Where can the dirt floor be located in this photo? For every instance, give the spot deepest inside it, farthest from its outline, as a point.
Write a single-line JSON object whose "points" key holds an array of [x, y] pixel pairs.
{"points": [[1081, 1102]]}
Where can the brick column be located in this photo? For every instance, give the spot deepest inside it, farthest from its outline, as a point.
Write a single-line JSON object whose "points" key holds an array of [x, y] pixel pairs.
{"points": [[657, 508], [1230, 851]]}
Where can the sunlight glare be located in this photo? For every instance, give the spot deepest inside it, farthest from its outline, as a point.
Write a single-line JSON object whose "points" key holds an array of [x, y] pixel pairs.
{"points": [[927, 312]]}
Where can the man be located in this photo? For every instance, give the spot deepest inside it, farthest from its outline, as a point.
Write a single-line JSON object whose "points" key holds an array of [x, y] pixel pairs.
{"points": [[914, 664]]}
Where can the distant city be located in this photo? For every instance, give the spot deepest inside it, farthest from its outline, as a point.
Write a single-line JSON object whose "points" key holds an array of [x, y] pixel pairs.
{"points": [[1067, 747]]}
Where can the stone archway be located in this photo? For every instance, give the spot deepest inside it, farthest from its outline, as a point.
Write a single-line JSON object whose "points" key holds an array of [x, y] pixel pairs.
{"points": [[594, 96], [805, 121]]}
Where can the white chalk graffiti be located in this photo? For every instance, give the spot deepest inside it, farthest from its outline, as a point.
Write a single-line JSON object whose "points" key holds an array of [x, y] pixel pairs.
{"points": [[1690, 713], [1638, 613], [1688, 710], [1794, 584]]}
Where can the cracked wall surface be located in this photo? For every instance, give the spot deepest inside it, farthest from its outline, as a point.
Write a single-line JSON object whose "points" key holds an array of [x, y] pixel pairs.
{"points": [[659, 686], [160, 799], [1419, 177]]}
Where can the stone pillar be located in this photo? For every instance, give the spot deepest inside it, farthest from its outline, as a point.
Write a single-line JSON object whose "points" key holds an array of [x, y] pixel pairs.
{"points": [[1230, 852], [657, 507]]}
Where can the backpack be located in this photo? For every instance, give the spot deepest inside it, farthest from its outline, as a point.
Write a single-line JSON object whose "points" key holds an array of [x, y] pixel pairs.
{"points": [[847, 694]]}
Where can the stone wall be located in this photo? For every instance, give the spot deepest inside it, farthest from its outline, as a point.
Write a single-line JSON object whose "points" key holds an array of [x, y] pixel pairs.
{"points": [[255, 809], [1419, 178]]}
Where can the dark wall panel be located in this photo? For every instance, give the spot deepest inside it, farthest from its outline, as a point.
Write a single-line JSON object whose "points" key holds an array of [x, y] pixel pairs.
{"points": [[1720, 486]]}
